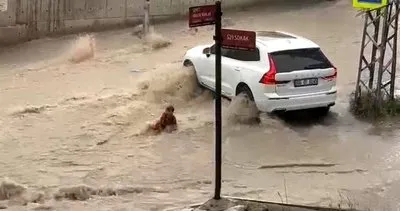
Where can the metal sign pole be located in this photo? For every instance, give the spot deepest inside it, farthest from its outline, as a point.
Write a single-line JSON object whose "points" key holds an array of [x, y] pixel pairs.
{"points": [[218, 109]]}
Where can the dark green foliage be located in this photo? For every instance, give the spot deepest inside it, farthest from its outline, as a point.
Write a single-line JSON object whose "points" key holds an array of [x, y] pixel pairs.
{"points": [[365, 107]]}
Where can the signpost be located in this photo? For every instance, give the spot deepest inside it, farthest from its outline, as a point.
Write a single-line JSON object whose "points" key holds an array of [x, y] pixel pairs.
{"points": [[202, 15], [227, 38], [238, 39]]}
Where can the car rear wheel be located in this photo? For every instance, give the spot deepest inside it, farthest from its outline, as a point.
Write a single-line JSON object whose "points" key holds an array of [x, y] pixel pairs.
{"points": [[251, 112], [245, 91]]}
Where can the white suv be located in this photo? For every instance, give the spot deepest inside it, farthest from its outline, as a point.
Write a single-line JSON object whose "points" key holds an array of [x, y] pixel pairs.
{"points": [[286, 72]]}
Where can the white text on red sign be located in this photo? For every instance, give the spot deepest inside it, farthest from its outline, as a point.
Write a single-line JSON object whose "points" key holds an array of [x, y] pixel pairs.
{"points": [[236, 37], [203, 14]]}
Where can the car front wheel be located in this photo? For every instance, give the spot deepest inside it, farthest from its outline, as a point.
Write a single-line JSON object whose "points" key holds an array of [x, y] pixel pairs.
{"points": [[199, 89]]}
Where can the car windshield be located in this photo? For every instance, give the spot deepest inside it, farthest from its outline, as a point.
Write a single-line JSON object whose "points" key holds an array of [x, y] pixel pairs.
{"points": [[300, 59]]}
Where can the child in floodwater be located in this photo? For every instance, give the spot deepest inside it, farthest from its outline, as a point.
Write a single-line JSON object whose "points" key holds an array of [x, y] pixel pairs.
{"points": [[167, 121]]}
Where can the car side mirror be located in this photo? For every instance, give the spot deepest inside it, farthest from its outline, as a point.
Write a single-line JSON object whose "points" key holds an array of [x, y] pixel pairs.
{"points": [[207, 52]]}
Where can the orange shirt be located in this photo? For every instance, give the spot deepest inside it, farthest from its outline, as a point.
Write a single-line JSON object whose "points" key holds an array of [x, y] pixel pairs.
{"points": [[164, 121]]}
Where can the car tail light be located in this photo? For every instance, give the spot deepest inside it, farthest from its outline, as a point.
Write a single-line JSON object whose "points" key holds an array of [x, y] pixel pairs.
{"points": [[269, 77], [331, 77]]}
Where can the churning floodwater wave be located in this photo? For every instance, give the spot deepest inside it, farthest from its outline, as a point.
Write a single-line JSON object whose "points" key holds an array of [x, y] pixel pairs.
{"points": [[19, 195], [105, 118], [70, 135]]}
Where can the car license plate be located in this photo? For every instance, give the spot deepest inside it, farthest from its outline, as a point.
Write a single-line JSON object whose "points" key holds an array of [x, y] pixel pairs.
{"points": [[306, 82]]}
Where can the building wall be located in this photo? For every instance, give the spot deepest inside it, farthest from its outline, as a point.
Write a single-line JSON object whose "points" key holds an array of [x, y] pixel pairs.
{"points": [[30, 19]]}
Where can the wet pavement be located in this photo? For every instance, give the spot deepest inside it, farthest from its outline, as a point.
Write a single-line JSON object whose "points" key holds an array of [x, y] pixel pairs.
{"points": [[65, 124]]}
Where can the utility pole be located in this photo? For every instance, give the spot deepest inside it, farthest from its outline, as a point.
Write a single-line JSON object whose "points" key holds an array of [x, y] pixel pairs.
{"points": [[377, 63]]}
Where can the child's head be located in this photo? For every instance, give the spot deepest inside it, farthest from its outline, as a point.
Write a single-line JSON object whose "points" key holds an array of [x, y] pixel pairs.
{"points": [[170, 109]]}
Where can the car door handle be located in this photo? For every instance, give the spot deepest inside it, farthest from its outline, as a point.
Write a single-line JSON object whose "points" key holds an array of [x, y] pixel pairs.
{"points": [[237, 69]]}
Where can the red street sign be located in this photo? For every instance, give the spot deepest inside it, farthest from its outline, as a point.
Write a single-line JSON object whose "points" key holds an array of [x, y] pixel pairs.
{"points": [[237, 39], [202, 15]]}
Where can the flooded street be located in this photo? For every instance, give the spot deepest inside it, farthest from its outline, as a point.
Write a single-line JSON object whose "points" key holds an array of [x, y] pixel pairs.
{"points": [[71, 133]]}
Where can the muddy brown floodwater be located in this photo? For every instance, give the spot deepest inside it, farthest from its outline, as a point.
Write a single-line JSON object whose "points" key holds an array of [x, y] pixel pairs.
{"points": [[70, 133]]}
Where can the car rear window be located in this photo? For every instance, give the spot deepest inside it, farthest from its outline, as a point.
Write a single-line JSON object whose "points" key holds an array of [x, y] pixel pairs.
{"points": [[300, 59]]}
